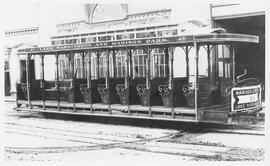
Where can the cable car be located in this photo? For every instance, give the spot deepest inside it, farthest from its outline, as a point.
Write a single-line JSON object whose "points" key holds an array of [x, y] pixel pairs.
{"points": [[187, 78]]}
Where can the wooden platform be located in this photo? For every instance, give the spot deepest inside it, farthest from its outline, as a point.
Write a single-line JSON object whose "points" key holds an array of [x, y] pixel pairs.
{"points": [[113, 110]]}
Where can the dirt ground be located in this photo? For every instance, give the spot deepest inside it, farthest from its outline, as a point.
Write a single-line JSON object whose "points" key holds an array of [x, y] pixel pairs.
{"points": [[36, 138]]}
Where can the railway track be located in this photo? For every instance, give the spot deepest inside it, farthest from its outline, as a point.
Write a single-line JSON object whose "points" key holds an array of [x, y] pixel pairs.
{"points": [[74, 137], [92, 141]]}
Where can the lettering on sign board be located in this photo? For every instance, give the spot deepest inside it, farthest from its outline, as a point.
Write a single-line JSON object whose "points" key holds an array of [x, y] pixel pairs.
{"points": [[245, 98]]}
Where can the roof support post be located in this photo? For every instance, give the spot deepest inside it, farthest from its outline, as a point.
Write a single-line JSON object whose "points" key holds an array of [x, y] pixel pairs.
{"points": [[233, 62], [196, 78], [73, 75], [28, 83], [83, 66], [114, 62], [209, 64], [187, 62], [130, 63], [57, 80], [148, 78], [43, 80], [171, 78], [89, 81], [97, 56], [107, 77], [127, 78]]}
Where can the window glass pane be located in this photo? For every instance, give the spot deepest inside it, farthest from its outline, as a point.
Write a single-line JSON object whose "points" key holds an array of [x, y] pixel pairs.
{"points": [[179, 63], [125, 36], [203, 63], [145, 34], [91, 39], [105, 38], [226, 52], [83, 40], [167, 32], [220, 51], [158, 64], [227, 70], [64, 69], [139, 64], [220, 69], [120, 62], [192, 64]]}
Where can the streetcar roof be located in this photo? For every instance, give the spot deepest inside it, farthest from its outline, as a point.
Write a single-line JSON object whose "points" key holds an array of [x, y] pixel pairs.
{"points": [[184, 40]]}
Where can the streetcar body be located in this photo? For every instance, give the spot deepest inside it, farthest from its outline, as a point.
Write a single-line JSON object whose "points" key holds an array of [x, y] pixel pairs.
{"points": [[154, 74]]}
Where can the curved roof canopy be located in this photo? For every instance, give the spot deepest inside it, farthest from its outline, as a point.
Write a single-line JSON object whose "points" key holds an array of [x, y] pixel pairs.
{"points": [[209, 38]]}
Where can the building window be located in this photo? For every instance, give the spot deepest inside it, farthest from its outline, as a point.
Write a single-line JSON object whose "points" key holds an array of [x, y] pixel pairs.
{"points": [[83, 40], [89, 40], [6, 66], [159, 63], [72, 41], [106, 38], [125, 36], [139, 63], [120, 64], [167, 33], [57, 42], [145, 34]]}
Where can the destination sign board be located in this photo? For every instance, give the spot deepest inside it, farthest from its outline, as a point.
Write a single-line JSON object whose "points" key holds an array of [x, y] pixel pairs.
{"points": [[136, 42], [144, 42], [245, 98]]}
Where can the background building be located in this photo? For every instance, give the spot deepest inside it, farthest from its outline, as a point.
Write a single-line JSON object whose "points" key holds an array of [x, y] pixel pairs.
{"points": [[245, 19], [66, 27]]}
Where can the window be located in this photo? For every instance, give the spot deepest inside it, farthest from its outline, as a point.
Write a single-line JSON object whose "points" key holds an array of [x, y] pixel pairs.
{"points": [[203, 63], [224, 64], [227, 71], [102, 66], [159, 63], [220, 69], [167, 32], [86, 65], [83, 40], [6, 66], [57, 42], [139, 63], [179, 63], [224, 69], [223, 51], [120, 64], [91, 39], [64, 69], [78, 69], [125, 36], [145, 34], [72, 41], [106, 38], [94, 65]]}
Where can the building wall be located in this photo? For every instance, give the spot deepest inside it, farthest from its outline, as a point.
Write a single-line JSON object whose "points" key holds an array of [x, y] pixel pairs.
{"points": [[50, 27], [14, 40], [245, 19]]}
